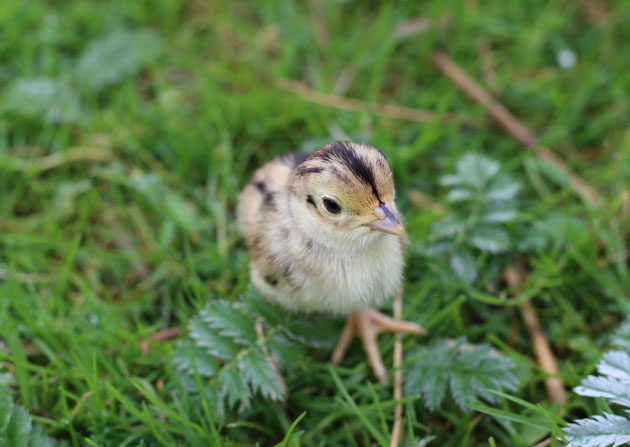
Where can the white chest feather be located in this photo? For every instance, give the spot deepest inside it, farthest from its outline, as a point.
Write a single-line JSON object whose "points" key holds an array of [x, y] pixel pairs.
{"points": [[338, 281]]}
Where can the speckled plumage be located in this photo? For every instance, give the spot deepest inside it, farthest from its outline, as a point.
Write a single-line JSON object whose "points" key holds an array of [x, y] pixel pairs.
{"points": [[309, 258]]}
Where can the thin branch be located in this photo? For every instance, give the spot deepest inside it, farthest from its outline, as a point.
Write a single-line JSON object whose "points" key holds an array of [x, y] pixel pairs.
{"points": [[89, 154], [547, 442], [398, 353], [412, 27], [510, 123], [163, 335], [354, 105], [516, 278]]}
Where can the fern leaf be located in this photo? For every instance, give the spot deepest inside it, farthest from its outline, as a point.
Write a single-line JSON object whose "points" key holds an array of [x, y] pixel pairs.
{"points": [[608, 430], [16, 426], [234, 387], [6, 409], [260, 373], [207, 337], [285, 352], [463, 264], [498, 215], [476, 170], [316, 331], [492, 239], [615, 364], [19, 427], [450, 225], [502, 189], [230, 322], [470, 371], [184, 353], [115, 56], [610, 388], [459, 195], [257, 306], [621, 338], [42, 98]]}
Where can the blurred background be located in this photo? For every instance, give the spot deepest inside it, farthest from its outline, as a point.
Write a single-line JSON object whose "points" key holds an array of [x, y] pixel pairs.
{"points": [[128, 128]]}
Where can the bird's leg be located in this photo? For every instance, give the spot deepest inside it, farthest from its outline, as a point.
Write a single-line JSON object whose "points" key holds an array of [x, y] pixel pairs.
{"points": [[368, 324]]}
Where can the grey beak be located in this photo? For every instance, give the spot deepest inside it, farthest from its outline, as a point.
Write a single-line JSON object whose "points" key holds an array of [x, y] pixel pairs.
{"points": [[391, 224]]}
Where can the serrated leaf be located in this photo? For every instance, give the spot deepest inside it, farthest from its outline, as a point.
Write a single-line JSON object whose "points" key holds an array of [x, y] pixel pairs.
{"points": [[615, 364], [608, 430], [621, 337], [469, 371], [463, 264], [476, 170], [258, 306], [283, 351], [608, 387], [229, 321], [435, 249], [216, 402], [184, 353], [498, 215], [450, 225], [19, 427], [6, 409], [315, 330], [42, 98], [502, 189], [452, 180], [492, 239], [38, 438], [208, 337], [459, 195], [119, 54], [260, 373], [232, 385]]}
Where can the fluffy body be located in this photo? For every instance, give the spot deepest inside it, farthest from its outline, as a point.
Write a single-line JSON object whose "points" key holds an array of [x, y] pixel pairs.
{"points": [[308, 258]]}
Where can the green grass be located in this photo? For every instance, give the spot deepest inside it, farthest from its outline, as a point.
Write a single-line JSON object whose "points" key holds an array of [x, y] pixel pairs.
{"points": [[162, 122]]}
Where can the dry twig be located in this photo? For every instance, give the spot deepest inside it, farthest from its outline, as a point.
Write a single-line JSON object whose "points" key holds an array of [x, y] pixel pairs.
{"points": [[516, 278], [513, 126], [398, 351], [163, 335], [89, 154], [354, 105]]}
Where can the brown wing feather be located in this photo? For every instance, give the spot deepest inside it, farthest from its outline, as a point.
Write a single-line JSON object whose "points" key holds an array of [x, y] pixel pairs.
{"points": [[255, 205]]}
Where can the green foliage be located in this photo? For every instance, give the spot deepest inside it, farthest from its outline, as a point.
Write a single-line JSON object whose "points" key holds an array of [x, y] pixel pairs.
{"points": [[127, 130], [228, 354], [43, 99], [613, 385], [117, 55], [621, 338], [599, 431], [469, 371], [483, 200], [16, 426]]}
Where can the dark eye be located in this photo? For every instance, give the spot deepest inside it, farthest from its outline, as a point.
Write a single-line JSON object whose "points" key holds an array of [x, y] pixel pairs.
{"points": [[331, 206]]}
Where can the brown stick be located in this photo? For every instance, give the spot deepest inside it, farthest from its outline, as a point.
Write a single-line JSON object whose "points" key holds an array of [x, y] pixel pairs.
{"points": [[163, 335], [513, 126], [341, 102], [516, 278], [398, 352], [89, 154]]}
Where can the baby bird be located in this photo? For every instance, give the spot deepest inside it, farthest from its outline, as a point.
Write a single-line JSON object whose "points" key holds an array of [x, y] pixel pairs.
{"points": [[325, 235]]}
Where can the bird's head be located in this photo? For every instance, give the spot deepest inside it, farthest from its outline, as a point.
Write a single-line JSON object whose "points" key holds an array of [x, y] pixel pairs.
{"points": [[346, 190]]}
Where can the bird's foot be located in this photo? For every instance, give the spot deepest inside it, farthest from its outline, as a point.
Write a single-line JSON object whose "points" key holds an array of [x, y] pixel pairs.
{"points": [[368, 324]]}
